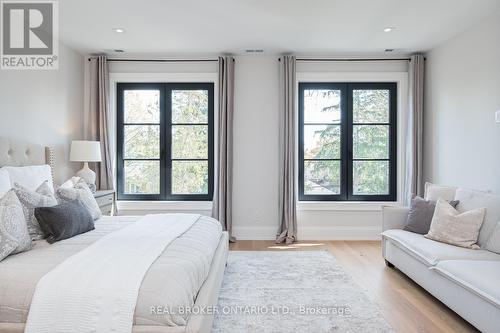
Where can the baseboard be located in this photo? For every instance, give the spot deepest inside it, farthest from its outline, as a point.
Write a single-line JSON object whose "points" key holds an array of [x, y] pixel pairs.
{"points": [[311, 233]]}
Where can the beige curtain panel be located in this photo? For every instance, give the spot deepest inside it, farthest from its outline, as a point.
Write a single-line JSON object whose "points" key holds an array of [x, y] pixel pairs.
{"points": [[287, 231], [97, 118], [223, 191], [414, 184]]}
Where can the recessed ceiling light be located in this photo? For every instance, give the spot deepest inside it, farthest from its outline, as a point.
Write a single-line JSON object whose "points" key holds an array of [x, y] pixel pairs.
{"points": [[119, 30], [389, 29]]}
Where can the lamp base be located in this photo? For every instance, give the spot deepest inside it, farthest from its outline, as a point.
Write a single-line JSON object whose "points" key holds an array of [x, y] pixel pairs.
{"points": [[88, 176]]}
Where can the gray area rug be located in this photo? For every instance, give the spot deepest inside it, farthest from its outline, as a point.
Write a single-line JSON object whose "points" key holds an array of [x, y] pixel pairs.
{"points": [[295, 291]]}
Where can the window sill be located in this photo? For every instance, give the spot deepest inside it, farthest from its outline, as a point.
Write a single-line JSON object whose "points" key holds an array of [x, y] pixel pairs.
{"points": [[164, 205], [344, 205]]}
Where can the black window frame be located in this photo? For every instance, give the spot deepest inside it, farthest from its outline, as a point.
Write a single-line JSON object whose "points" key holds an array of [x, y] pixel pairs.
{"points": [[165, 156], [346, 155]]}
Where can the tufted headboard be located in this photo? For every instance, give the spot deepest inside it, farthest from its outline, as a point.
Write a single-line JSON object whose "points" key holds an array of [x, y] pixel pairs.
{"points": [[20, 153]]}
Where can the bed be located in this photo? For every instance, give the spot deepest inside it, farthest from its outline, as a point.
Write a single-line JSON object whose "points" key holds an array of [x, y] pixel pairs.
{"points": [[188, 273]]}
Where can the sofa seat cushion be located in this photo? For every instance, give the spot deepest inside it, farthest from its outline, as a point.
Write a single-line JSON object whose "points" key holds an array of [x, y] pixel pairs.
{"points": [[431, 252], [478, 276]]}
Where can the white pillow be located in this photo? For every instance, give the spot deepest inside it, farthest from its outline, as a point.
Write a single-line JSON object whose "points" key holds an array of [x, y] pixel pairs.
{"points": [[493, 243], [30, 177], [449, 226], [471, 199], [433, 192], [5, 185]]}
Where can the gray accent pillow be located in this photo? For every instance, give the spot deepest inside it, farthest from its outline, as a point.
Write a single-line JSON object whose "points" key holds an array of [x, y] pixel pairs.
{"points": [[14, 236], [80, 191], [420, 215], [42, 197], [64, 221]]}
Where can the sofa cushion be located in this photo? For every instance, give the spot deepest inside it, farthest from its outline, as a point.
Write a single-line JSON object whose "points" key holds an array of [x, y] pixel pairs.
{"points": [[431, 252], [433, 192], [470, 199], [478, 276], [493, 243]]}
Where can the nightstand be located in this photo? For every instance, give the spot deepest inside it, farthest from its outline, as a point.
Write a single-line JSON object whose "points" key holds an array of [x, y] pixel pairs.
{"points": [[106, 201]]}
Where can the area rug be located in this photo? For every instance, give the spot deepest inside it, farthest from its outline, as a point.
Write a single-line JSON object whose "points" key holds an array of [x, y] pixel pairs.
{"points": [[306, 291]]}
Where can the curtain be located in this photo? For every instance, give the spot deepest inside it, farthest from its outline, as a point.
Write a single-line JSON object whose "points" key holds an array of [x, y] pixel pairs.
{"points": [[287, 231], [97, 118], [222, 201], [414, 184]]}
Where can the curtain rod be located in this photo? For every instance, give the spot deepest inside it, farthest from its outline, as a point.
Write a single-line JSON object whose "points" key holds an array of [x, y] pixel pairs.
{"points": [[352, 59], [162, 60]]}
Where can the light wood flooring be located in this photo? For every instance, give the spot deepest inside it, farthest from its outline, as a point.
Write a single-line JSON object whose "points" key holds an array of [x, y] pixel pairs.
{"points": [[404, 304]]}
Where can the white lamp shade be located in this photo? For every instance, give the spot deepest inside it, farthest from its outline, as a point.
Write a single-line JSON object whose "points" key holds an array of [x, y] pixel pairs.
{"points": [[85, 151]]}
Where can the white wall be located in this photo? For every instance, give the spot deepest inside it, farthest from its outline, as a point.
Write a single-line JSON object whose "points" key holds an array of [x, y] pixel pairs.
{"points": [[45, 107], [462, 140], [256, 146]]}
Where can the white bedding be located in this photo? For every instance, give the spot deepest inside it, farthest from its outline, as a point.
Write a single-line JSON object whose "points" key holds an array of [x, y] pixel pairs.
{"points": [[173, 280]]}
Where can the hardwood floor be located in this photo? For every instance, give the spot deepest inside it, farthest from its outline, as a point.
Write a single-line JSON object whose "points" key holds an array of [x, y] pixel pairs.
{"points": [[404, 304]]}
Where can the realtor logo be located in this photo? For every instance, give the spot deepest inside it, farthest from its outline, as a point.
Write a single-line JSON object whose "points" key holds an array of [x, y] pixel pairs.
{"points": [[29, 35]]}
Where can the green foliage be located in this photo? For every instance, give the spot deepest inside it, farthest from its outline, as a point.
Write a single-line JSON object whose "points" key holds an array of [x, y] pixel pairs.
{"points": [[369, 142], [188, 141]]}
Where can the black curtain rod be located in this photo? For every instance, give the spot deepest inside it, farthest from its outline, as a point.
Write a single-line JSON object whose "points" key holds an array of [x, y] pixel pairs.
{"points": [[162, 60], [351, 59]]}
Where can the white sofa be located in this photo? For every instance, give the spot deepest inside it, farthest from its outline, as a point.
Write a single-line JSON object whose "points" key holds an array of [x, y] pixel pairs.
{"points": [[466, 280]]}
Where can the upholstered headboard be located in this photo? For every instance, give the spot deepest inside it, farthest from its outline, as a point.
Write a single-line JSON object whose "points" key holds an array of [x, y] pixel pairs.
{"points": [[20, 153]]}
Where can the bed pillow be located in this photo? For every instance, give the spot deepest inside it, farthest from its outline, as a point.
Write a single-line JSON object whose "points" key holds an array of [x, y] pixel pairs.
{"points": [[420, 215], [80, 191], [64, 221], [433, 192], [450, 226], [42, 197], [30, 177], [14, 236], [5, 185]]}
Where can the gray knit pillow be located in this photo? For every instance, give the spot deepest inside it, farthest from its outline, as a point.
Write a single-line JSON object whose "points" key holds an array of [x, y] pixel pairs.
{"points": [[42, 197], [14, 236], [80, 191], [420, 215]]}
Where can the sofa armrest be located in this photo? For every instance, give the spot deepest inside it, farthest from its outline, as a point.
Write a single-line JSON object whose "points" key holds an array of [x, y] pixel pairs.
{"points": [[394, 217]]}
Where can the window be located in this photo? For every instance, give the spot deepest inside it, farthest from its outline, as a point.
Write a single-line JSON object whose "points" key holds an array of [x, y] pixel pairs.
{"points": [[165, 141], [347, 141]]}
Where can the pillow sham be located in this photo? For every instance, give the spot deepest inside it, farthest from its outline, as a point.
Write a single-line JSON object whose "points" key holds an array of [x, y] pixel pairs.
{"points": [[42, 197], [420, 215], [80, 191], [449, 226], [433, 192], [493, 243], [14, 236], [4, 182], [30, 177], [64, 221]]}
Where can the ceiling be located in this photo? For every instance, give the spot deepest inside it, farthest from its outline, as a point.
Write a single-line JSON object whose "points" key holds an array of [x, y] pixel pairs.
{"points": [[276, 26]]}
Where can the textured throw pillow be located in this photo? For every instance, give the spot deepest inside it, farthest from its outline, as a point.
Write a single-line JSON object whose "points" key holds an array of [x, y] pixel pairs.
{"points": [[64, 221], [420, 215], [14, 236], [493, 243], [42, 197], [80, 191], [433, 192], [449, 226]]}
